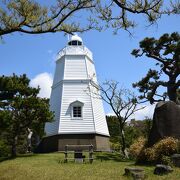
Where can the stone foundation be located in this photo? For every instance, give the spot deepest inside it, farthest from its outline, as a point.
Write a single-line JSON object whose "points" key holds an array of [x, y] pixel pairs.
{"points": [[58, 142]]}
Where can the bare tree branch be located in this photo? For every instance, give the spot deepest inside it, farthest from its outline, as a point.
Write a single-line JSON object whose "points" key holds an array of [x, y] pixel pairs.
{"points": [[122, 101]]}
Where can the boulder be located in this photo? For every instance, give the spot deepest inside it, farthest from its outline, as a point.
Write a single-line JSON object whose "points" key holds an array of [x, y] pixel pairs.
{"points": [[161, 169], [176, 159], [135, 173], [166, 122]]}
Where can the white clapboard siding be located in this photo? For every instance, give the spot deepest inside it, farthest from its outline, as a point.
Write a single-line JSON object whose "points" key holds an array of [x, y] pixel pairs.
{"points": [[91, 69], [99, 115], [55, 106], [75, 67], [59, 71], [73, 91]]}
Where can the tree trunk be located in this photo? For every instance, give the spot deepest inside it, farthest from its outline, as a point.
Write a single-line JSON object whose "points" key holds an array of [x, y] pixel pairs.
{"points": [[123, 148], [13, 148], [171, 91]]}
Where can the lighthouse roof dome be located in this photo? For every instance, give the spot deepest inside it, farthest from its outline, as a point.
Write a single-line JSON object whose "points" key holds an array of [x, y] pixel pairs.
{"points": [[75, 37], [75, 40]]}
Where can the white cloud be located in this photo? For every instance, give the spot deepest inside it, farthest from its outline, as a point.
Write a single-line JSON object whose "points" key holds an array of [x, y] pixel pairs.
{"points": [[141, 114], [44, 81], [110, 114]]}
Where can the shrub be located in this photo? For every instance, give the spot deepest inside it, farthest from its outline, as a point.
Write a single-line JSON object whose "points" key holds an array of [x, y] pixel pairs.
{"points": [[159, 152], [137, 147], [115, 146], [150, 154], [4, 149], [21, 146], [166, 146], [178, 146]]}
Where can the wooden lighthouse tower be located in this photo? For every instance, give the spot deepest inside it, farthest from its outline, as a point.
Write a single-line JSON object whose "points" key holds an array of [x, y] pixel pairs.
{"points": [[79, 116]]}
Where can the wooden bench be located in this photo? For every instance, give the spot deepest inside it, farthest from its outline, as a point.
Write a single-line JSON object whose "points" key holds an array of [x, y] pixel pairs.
{"points": [[78, 150]]}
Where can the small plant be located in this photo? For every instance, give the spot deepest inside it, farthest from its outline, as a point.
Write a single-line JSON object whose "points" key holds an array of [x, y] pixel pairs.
{"points": [[166, 160]]}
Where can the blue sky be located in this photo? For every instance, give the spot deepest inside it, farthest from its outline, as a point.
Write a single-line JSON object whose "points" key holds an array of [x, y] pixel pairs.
{"points": [[35, 55]]}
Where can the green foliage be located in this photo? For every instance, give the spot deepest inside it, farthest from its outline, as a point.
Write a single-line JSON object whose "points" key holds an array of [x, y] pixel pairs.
{"points": [[159, 152], [4, 149], [117, 14], [115, 146], [140, 127], [165, 51], [22, 144], [136, 129], [131, 133], [33, 17], [20, 108], [178, 146], [113, 126], [166, 160]]}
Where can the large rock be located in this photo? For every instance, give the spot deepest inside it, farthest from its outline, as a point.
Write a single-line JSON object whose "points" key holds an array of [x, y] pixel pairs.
{"points": [[135, 173], [176, 159], [162, 169], [166, 122]]}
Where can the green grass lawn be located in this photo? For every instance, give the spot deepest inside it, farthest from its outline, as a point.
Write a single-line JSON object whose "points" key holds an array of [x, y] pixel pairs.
{"points": [[51, 167]]}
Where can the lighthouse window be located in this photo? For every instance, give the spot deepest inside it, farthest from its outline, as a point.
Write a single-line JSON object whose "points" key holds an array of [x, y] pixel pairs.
{"points": [[77, 111], [79, 43], [75, 43]]}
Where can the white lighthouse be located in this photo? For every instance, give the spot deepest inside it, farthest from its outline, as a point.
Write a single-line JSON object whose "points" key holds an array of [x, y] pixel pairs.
{"points": [[79, 116]]}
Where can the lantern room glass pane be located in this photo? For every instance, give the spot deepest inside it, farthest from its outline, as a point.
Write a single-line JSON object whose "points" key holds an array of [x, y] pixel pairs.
{"points": [[74, 43], [79, 43]]}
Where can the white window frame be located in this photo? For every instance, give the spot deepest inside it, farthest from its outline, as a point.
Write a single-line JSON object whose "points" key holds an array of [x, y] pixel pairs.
{"points": [[79, 108], [76, 104]]}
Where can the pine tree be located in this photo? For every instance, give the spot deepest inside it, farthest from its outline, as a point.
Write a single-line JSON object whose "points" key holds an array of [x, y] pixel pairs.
{"points": [[165, 51], [20, 108]]}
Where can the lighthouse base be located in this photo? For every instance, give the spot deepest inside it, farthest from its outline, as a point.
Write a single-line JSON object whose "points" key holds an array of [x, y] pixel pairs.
{"points": [[58, 142]]}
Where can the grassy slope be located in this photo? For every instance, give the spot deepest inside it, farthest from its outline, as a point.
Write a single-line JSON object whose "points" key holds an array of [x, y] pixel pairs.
{"points": [[47, 167]]}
